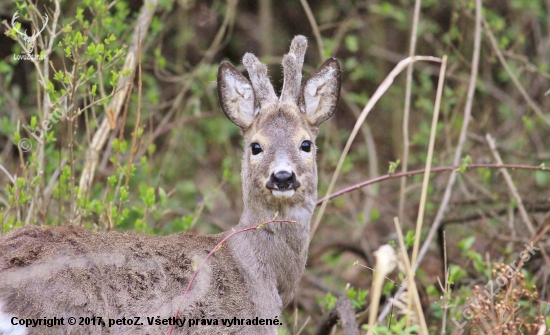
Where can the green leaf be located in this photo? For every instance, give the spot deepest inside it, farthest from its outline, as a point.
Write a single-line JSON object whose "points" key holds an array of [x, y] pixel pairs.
{"points": [[124, 194], [542, 179], [91, 50], [58, 76], [374, 214], [33, 123], [116, 145], [330, 301], [151, 148], [466, 243], [140, 225], [149, 197], [466, 161], [352, 43], [393, 166], [89, 72], [409, 239], [16, 139], [112, 180]]}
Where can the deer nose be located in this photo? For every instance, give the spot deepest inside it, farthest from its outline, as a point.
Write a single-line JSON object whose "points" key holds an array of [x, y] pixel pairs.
{"points": [[283, 180]]}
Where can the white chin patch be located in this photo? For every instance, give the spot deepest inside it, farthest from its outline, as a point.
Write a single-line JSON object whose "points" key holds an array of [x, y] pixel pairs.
{"points": [[282, 194]]}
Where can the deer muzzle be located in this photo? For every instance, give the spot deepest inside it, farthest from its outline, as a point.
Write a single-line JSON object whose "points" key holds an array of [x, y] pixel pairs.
{"points": [[283, 184]]}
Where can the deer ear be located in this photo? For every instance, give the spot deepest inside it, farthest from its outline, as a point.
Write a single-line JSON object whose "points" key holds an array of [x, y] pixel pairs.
{"points": [[321, 92], [236, 96]]}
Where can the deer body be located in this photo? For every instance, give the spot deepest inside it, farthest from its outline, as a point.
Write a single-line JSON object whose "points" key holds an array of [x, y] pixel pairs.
{"points": [[48, 272]]}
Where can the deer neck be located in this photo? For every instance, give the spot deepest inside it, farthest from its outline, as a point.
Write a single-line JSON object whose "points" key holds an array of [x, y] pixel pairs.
{"points": [[273, 257]]}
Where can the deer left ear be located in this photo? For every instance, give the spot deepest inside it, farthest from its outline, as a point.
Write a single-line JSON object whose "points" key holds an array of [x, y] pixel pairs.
{"points": [[321, 92]]}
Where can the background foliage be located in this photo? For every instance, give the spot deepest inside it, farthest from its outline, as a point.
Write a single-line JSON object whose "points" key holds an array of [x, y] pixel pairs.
{"points": [[172, 163]]}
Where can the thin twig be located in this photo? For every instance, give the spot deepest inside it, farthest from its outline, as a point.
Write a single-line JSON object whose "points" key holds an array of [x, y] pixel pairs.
{"points": [[433, 170], [314, 27], [515, 80], [413, 290], [425, 183], [10, 177], [38, 201], [431, 144], [406, 111], [445, 288], [511, 186], [266, 27], [138, 119], [303, 326], [373, 270], [371, 192]]}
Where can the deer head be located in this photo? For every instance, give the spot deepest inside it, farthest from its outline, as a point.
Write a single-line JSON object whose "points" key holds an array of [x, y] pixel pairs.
{"points": [[279, 167], [29, 40]]}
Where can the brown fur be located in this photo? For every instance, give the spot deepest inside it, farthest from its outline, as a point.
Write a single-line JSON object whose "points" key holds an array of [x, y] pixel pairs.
{"points": [[69, 271]]}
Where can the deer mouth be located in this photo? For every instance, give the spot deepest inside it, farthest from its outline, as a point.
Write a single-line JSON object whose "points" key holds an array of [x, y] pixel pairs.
{"points": [[283, 191], [285, 194]]}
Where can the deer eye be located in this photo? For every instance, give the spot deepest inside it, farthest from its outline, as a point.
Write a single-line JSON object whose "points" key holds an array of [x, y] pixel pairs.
{"points": [[306, 146], [256, 148]]}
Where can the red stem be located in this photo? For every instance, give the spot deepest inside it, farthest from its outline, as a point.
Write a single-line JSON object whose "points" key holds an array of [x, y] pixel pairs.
{"points": [[437, 169]]}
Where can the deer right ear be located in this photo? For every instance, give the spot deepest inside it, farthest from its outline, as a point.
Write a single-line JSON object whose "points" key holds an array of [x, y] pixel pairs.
{"points": [[321, 92], [236, 96]]}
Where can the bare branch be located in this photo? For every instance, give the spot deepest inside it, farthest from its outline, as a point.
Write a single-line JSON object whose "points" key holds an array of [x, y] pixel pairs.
{"points": [[314, 27], [406, 111], [433, 170], [511, 186], [115, 106], [343, 311], [515, 80]]}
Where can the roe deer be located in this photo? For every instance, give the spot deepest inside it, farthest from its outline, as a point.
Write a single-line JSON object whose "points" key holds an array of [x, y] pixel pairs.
{"points": [[63, 272]]}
